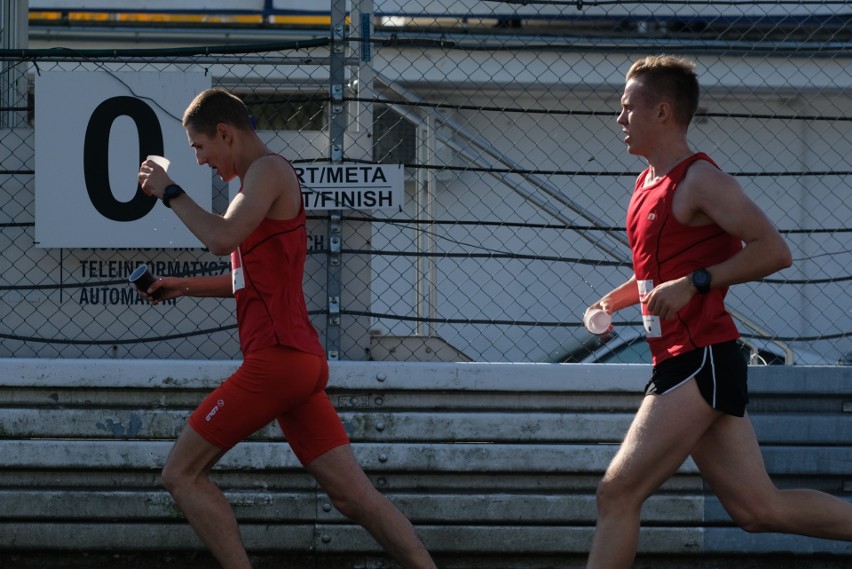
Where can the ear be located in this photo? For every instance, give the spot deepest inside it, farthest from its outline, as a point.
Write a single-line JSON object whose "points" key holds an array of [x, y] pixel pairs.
{"points": [[223, 131], [664, 111]]}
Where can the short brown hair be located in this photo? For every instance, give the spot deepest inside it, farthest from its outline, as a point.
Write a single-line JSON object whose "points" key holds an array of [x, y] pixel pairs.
{"points": [[214, 106], [672, 78]]}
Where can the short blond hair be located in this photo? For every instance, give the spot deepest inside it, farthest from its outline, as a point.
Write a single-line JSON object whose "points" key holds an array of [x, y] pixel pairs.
{"points": [[214, 106], [672, 78]]}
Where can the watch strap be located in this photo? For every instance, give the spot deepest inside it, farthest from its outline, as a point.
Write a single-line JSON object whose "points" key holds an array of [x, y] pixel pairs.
{"points": [[172, 191]]}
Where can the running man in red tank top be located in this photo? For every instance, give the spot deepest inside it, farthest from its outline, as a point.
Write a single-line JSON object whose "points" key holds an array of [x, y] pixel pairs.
{"points": [[693, 233], [284, 371]]}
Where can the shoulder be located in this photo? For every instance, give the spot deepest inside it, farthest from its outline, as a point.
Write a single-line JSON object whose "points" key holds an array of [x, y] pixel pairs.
{"points": [[272, 165], [273, 180], [702, 190], [704, 180], [270, 174]]}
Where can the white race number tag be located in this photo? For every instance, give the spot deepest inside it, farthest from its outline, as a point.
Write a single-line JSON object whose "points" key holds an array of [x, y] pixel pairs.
{"points": [[238, 279], [651, 323]]}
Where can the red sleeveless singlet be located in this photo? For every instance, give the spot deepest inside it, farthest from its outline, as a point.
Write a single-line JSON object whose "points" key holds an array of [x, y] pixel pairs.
{"points": [[665, 249], [267, 271]]}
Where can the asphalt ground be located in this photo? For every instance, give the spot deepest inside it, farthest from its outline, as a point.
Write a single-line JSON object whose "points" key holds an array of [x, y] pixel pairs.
{"points": [[201, 560]]}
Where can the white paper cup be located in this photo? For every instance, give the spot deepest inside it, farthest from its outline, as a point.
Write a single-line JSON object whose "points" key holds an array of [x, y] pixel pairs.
{"points": [[161, 160], [597, 321]]}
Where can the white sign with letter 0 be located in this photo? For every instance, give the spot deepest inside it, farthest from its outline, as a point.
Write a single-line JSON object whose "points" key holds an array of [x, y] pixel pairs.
{"points": [[93, 130]]}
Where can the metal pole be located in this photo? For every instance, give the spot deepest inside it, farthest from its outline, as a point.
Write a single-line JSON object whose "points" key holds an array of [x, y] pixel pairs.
{"points": [[424, 202], [336, 133], [14, 30]]}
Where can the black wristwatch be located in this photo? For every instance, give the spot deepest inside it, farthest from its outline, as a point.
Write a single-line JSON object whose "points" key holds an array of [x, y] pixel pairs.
{"points": [[172, 191], [701, 281]]}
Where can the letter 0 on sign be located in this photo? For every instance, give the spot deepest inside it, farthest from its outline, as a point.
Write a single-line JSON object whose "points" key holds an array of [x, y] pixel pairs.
{"points": [[96, 156]]}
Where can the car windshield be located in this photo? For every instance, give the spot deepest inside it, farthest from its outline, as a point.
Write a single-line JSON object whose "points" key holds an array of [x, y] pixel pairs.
{"points": [[636, 350], [632, 352]]}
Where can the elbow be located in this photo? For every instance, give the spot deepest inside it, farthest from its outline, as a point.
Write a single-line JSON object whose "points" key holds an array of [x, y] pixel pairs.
{"points": [[221, 247], [220, 252], [783, 258]]}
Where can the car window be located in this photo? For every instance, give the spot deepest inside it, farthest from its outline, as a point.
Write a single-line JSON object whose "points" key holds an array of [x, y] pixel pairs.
{"points": [[636, 351]]}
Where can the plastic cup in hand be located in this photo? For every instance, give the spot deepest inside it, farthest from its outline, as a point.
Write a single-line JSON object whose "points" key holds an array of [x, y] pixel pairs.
{"points": [[142, 278], [161, 160], [597, 321]]}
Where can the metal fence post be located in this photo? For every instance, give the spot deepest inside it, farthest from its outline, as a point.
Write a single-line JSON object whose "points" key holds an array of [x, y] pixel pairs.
{"points": [[336, 130], [14, 25]]}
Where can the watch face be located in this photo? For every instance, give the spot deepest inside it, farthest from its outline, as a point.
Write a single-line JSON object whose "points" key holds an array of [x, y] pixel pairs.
{"points": [[701, 279]]}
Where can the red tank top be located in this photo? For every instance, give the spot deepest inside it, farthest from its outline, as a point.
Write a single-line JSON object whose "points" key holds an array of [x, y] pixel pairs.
{"points": [[665, 249], [267, 270]]}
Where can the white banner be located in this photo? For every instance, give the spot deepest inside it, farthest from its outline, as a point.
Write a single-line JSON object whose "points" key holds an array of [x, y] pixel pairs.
{"points": [[352, 186], [92, 131]]}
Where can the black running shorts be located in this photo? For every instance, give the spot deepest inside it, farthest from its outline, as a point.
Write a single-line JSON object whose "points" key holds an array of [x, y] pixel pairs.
{"points": [[720, 371]]}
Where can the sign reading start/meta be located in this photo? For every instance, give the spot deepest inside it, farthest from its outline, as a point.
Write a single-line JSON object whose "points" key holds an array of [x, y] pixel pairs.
{"points": [[351, 186]]}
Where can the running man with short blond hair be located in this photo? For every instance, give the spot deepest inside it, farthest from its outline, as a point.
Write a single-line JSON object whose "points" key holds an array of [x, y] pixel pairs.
{"points": [[693, 233]]}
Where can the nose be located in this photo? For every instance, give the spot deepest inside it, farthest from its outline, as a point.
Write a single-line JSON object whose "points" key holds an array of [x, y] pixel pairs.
{"points": [[622, 118]]}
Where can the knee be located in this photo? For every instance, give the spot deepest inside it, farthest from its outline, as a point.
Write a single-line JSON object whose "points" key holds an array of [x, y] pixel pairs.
{"points": [[613, 495], [169, 479], [173, 478], [755, 517], [353, 503]]}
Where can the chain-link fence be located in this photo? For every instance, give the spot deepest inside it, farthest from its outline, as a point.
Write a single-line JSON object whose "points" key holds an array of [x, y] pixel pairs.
{"points": [[516, 181]]}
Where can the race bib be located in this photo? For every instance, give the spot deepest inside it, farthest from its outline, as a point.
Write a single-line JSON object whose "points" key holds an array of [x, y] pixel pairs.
{"points": [[238, 279], [651, 323]]}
